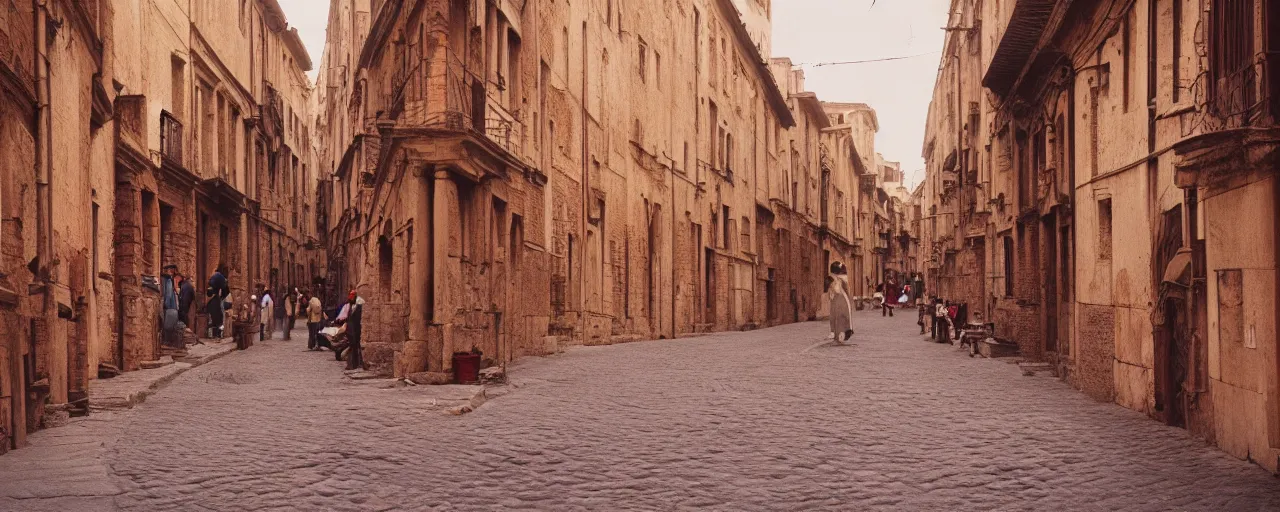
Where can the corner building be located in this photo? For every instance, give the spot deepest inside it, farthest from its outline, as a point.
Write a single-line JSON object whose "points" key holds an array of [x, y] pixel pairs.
{"points": [[514, 179]]}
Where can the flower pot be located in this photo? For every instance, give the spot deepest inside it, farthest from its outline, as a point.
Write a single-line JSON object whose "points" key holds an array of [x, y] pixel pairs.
{"points": [[466, 368]]}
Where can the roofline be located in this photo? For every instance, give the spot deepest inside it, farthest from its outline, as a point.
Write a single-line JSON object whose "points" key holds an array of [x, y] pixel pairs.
{"points": [[288, 35], [875, 121], [771, 91], [810, 102], [294, 42]]}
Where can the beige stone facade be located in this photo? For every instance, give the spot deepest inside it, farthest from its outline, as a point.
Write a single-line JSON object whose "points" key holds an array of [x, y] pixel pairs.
{"points": [[1102, 182], [513, 179], [159, 133]]}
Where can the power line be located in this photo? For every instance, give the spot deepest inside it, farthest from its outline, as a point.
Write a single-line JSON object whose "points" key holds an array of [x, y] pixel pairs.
{"points": [[883, 59]]}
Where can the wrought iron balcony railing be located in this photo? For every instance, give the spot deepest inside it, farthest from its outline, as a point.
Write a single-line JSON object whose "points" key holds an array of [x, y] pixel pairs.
{"points": [[446, 95]]}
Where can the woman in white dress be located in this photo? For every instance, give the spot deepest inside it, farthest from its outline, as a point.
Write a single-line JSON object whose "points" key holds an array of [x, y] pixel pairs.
{"points": [[841, 307]]}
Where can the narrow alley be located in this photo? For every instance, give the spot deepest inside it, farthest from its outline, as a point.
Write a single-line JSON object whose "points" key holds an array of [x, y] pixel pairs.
{"points": [[763, 420]]}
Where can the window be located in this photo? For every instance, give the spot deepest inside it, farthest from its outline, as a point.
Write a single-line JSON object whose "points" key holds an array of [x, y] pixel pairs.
{"points": [[713, 117], [564, 40], [720, 144], [745, 228], [1230, 53], [386, 259], [728, 156], [1104, 229], [641, 61], [1008, 266], [513, 70], [657, 69], [724, 236], [685, 168], [93, 271], [177, 86]]}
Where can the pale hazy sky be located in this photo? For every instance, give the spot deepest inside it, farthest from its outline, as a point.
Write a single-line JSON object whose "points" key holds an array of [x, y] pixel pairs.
{"points": [[815, 31]]}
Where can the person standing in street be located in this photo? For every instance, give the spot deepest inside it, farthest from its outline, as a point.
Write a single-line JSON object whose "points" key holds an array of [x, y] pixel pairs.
{"points": [[291, 301], [169, 335], [939, 321], [923, 313], [315, 315], [840, 307], [186, 297], [355, 317], [217, 293], [268, 314]]}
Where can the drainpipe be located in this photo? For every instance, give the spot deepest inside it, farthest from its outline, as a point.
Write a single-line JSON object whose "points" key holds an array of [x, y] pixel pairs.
{"points": [[1071, 176], [43, 176], [1153, 170], [44, 149], [586, 190], [1275, 227]]}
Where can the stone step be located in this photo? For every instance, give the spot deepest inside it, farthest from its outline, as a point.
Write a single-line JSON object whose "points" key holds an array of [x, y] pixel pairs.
{"points": [[1030, 368], [992, 348]]}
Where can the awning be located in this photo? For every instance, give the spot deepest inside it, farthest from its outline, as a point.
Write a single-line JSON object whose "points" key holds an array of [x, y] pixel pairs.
{"points": [[222, 193], [1026, 25]]}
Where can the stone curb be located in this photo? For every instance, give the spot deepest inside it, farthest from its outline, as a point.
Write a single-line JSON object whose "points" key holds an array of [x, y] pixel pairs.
{"points": [[136, 396], [478, 399]]}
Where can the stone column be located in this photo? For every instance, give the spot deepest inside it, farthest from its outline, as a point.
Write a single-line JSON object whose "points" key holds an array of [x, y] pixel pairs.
{"points": [[414, 357], [443, 240], [127, 269]]}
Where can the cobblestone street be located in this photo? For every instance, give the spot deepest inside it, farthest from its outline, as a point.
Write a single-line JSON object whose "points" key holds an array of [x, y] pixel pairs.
{"points": [[764, 420]]}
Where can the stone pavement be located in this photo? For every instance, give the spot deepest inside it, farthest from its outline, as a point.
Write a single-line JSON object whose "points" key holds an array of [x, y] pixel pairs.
{"points": [[130, 388], [773, 419]]}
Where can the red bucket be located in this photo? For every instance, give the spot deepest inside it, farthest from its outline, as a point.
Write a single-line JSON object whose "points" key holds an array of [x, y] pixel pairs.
{"points": [[466, 368]]}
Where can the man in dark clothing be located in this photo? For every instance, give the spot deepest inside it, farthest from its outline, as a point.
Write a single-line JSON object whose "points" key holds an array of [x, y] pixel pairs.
{"points": [[355, 359], [940, 326], [169, 333], [218, 292], [186, 296]]}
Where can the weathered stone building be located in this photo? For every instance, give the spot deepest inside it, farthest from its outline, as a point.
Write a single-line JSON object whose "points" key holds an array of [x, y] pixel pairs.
{"points": [[513, 178], [159, 134], [858, 123], [1102, 180]]}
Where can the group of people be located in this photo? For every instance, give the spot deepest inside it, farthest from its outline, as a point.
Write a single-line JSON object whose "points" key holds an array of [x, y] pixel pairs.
{"points": [[944, 317], [177, 297], [347, 323]]}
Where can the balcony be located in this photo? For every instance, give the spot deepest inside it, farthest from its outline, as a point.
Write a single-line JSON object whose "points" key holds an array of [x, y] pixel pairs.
{"points": [[1017, 45], [170, 139], [1234, 132], [448, 96]]}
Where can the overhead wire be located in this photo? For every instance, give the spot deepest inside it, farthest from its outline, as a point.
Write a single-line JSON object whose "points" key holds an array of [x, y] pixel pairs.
{"points": [[865, 61]]}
